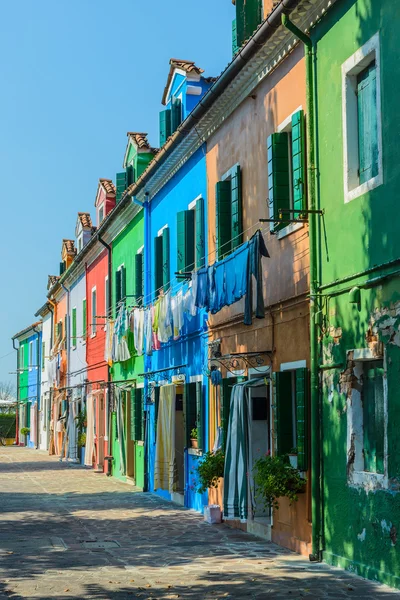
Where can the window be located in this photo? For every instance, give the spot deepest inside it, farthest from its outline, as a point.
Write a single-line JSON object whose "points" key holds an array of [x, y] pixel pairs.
{"points": [[286, 172], [43, 354], [191, 237], [74, 327], [79, 243], [84, 321], [30, 355], [106, 297], [59, 332], [120, 285], [176, 113], [101, 213], [361, 108], [291, 412], [229, 212], [21, 358], [161, 261], [94, 312], [130, 175], [367, 435], [193, 416], [137, 414], [139, 277]]}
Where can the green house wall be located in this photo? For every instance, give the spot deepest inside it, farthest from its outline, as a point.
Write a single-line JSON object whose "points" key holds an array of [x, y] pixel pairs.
{"points": [[360, 527]]}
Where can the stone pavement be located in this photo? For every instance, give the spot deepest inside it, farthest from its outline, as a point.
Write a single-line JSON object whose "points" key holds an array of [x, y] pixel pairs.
{"points": [[66, 532]]}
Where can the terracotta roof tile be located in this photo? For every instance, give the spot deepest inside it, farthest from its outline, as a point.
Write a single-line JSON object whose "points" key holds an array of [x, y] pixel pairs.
{"points": [[85, 219], [108, 186], [186, 65], [141, 141], [69, 246]]}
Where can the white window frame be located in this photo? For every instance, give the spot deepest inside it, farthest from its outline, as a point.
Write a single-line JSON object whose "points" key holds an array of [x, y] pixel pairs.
{"points": [[160, 231], [286, 126], [21, 358], [101, 207], [356, 476], [106, 308], [84, 333], [93, 323], [79, 242], [350, 69]]}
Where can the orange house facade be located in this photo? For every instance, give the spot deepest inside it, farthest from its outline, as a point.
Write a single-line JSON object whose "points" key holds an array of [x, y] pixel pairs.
{"points": [[252, 159]]}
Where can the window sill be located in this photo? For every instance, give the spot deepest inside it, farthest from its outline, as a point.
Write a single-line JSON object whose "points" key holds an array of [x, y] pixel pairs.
{"points": [[365, 187], [92, 335], [368, 481], [195, 451], [291, 228]]}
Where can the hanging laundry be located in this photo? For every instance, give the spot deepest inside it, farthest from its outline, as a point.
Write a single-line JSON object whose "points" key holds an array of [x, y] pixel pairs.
{"points": [[236, 273], [148, 332], [121, 350], [257, 249], [165, 319], [138, 330], [108, 348], [156, 341], [177, 313], [202, 288]]}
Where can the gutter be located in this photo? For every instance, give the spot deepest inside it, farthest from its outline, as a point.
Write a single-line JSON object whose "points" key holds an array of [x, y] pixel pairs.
{"points": [[17, 411], [37, 386], [316, 509]]}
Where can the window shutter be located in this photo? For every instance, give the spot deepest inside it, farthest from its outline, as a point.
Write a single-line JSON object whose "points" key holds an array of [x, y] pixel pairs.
{"points": [[223, 207], [283, 417], [133, 414], [123, 283], [367, 123], [84, 319], [165, 125], [248, 17], [130, 175], [200, 241], [278, 178], [139, 278], [165, 256], [43, 354], [139, 414], [302, 388], [117, 287], [226, 392], [236, 208], [373, 419], [185, 240], [199, 415], [74, 326], [176, 113], [120, 185], [189, 410], [298, 163], [235, 46], [158, 264], [156, 405], [66, 333], [62, 267]]}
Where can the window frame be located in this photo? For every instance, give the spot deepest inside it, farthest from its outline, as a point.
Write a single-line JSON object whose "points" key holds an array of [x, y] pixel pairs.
{"points": [[354, 65], [84, 320], [101, 209], [293, 367], [357, 476], [30, 355], [93, 324], [107, 301], [74, 338]]}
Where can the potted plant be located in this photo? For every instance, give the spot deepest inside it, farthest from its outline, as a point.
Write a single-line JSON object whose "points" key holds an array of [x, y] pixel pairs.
{"points": [[193, 438], [274, 478], [81, 446], [25, 430], [293, 457], [210, 470]]}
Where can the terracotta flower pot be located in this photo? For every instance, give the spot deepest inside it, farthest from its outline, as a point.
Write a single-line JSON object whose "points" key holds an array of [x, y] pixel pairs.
{"points": [[195, 443]]}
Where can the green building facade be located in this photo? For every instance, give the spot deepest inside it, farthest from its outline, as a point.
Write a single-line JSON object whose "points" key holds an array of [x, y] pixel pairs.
{"points": [[358, 174]]}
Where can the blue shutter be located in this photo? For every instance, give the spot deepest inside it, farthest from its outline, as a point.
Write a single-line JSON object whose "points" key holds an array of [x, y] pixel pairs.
{"points": [[367, 123], [120, 185]]}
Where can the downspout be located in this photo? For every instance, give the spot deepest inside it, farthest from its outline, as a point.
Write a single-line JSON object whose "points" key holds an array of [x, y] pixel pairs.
{"points": [[67, 330], [52, 307], [312, 206], [109, 286], [37, 386], [147, 359], [18, 384]]}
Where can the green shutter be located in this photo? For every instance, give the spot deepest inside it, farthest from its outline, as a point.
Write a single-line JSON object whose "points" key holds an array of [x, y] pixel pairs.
{"points": [[43, 354], [226, 393], [236, 208], [62, 267], [189, 410], [165, 125], [373, 418], [158, 264], [84, 319], [139, 414], [120, 185], [156, 405], [379, 421], [74, 326], [185, 240], [367, 123], [283, 416], [200, 241], [165, 256], [139, 278], [235, 46], [302, 388], [123, 283], [249, 14], [66, 332], [200, 415], [278, 178], [118, 279], [130, 175], [176, 113], [223, 214], [298, 163]]}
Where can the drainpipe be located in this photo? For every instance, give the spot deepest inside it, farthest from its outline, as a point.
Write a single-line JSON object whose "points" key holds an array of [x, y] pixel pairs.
{"points": [[109, 286], [51, 309], [37, 386], [147, 359], [17, 411], [67, 329], [312, 205]]}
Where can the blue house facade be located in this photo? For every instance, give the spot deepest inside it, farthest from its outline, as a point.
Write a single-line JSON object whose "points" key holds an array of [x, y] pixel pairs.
{"points": [[176, 244]]}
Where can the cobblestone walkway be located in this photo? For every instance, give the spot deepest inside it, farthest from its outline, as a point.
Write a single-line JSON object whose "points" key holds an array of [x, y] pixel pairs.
{"points": [[66, 532]]}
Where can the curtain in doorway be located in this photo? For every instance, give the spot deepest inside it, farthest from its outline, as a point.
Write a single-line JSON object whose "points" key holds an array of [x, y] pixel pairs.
{"points": [[72, 431], [89, 449], [238, 480], [165, 468], [33, 427]]}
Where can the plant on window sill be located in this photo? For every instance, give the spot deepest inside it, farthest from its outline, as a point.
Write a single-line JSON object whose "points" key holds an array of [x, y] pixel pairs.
{"points": [[210, 470], [193, 438], [274, 478]]}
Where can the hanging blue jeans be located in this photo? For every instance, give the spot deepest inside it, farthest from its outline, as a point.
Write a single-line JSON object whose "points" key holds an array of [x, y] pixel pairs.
{"points": [[257, 249]]}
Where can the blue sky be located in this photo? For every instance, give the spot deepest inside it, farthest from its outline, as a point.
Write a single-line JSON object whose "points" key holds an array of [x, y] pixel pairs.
{"points": [[76, 76]]}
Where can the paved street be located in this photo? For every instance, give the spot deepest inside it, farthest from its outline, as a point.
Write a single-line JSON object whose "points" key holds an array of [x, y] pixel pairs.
{"points": [[66, 532]]}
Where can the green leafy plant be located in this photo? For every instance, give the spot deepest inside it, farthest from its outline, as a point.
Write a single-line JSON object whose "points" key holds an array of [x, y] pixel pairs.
{"points": [[275, 478], [193, 434], [293, 451], [81, 440], [81, 420], [210, 470], [25, 430]]}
